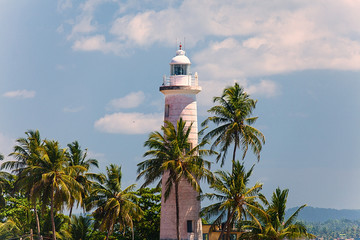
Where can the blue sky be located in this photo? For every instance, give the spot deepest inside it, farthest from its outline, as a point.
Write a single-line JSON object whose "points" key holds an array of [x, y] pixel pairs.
{"points": [[90, 71]]}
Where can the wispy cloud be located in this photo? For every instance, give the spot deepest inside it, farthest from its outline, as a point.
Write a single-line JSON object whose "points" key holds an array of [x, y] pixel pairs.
{"points": [[129, 123], [64, 4], [131, 100], [20, 94]]}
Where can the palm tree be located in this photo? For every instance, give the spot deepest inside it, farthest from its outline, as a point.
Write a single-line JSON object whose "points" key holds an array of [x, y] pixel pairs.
{"points": [[6, 186], [77, 157], [275, 226], [81, 227], [171, 154], [236, 201], [26, 153], [232, 116], [113, 205], [51, 178]]}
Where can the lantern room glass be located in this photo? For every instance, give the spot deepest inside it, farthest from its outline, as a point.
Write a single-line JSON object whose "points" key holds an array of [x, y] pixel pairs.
{"points": [[180, 69]]}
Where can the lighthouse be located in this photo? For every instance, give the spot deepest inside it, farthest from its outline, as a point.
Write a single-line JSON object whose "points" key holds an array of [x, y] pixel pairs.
{"points": [[180, 89]]}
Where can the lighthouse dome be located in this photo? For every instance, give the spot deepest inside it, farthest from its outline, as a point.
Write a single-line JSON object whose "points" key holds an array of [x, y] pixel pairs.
{"points": [[180, 58]]}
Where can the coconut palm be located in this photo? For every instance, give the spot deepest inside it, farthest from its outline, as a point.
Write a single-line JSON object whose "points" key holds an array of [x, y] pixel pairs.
{"points": [[77, 157], [236, 201], [233, 119], [113, 204], [26, 153], [81, 227], [51, 178], [275, 226], [6, 186], [171, 153]]}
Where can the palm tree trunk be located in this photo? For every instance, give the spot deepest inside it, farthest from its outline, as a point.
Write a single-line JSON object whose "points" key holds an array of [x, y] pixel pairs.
{"points": [[233, 160], [234, 153], [110, 230], [52, 214], [177, 209], [37, 221], [227, 225], [132, 231], [70, 212]]}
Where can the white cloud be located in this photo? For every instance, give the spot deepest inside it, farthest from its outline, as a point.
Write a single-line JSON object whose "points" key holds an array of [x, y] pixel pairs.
{"points": [[129, 123], [60, 29], [238, 39], [90, 43], [265, 88], [64, 4], [84, 25], [131, 100], [212, 88], [20, 94]]}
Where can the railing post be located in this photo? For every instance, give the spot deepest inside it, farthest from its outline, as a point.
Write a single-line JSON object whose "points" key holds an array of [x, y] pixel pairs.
{"points": [[196, 78]]}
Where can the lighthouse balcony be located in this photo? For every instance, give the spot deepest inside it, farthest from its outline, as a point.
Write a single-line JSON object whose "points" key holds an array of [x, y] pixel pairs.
{"points": [[181, 80]]}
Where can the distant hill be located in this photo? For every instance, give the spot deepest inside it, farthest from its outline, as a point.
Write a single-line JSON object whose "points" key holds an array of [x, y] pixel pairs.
{"points": [[311, 214]]}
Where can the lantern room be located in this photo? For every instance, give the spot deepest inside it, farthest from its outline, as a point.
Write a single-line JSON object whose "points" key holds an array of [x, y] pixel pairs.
{"points": [[180, 64]]}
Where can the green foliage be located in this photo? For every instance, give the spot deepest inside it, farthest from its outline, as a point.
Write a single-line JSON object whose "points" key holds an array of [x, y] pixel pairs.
{"points": [[16, 217], [113, 204], [233, 119], [333, 229], [148, 227], [236, 201], [273, 225]]}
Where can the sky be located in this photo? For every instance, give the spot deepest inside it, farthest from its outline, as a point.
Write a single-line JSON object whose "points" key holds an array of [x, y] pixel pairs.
{"points": [[91, 70]]}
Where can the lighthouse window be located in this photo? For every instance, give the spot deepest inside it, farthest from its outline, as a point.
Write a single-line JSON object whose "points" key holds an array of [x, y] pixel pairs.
{"points": [[167, 109], [189, 226], [180, 69]]}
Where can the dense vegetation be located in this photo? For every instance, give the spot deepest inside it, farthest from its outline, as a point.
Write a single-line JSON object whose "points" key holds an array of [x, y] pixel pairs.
{"points": [[335, 229], [47, 181]]}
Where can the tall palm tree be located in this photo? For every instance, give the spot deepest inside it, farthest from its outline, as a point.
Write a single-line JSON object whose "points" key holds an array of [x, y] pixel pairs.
{"points": [[113, 204], [77, 157], [275, 226], [170, 153], [26, 153], [81, 227], [51, 178], [233, 119], [236, 201]]}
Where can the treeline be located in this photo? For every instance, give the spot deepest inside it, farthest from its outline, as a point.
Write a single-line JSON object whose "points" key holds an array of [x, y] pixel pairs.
{"points": [[47, 181], [334, 229]]}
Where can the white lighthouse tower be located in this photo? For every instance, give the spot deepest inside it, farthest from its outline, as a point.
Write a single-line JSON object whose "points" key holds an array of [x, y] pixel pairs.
{"points": [[180, 91]]}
